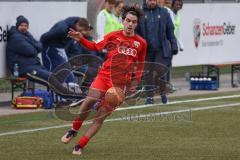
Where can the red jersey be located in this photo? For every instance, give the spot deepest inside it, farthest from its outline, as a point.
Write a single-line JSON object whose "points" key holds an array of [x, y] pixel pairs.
{"points": [[125, 55]]}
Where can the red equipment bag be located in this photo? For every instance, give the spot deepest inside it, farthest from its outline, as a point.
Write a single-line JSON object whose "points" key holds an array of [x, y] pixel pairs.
{"points": [[27, 102]]}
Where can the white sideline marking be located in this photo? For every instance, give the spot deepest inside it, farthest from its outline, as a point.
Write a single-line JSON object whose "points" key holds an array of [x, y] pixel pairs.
{"points": [[122, 118], [178, 102]]}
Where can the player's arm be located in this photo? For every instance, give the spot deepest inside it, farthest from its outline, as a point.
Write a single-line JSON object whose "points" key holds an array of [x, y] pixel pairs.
{"points": [[141, 61], [77, 36]]}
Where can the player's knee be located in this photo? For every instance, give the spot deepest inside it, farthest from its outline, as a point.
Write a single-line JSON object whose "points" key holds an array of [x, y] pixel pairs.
{"points": [[90, 101], [99, 120], [109, 108]]}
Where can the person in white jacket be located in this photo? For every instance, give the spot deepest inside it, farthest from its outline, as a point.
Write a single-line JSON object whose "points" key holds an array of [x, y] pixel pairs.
{"points": [[105, 19]]}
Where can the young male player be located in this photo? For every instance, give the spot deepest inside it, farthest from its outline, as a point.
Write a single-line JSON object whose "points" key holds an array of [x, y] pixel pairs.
{"points": [[126, 52]]}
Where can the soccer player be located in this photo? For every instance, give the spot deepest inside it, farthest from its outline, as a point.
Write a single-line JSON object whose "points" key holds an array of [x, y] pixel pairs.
{"points": [[126, 52]]}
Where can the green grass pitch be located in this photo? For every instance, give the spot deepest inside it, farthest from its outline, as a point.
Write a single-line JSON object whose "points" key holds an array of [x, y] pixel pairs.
{"points": [[211, 134]]}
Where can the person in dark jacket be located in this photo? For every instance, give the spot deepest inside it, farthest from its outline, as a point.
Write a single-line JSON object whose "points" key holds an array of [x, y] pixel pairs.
{"points": [[22, 49], [74, 49], [157, 29], [54, 43]]}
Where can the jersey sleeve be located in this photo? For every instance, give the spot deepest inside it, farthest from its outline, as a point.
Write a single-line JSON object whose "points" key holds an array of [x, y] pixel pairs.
{"points": [[95, 46], [141, 61]]}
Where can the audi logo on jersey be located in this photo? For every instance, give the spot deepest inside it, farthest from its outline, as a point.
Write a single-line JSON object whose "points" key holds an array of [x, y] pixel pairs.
{"points": [[127, 51]]}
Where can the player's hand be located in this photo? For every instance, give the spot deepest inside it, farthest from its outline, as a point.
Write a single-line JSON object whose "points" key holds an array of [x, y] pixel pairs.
{"points": [[74, 34], [181, 50]]}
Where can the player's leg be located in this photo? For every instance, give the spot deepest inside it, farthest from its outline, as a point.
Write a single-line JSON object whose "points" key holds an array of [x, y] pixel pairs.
{"points": [[96, 92], [84, 111], [102, 114]]}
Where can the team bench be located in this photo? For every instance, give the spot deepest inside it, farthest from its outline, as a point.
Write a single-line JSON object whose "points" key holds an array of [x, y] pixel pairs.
{"points": [[213, 69], [25, 83], [22, 83]]}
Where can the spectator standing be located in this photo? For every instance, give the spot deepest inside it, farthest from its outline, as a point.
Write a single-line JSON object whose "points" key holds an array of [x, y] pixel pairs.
{"points": [[157, 29], [117, 14], [106, 20], [173, 7]]}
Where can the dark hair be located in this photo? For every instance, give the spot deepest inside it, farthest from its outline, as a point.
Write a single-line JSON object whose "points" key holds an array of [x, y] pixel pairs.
{"points": [[131, 10], [110, 1], [83, 22], [173, 2]]}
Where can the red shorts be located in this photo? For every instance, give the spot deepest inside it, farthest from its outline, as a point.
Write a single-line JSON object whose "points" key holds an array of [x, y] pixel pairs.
{"points": [[102, 84]]}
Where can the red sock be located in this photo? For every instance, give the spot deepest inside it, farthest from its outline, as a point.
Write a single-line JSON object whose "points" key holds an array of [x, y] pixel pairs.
{"points": [[83, 141], [77, 123]]}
